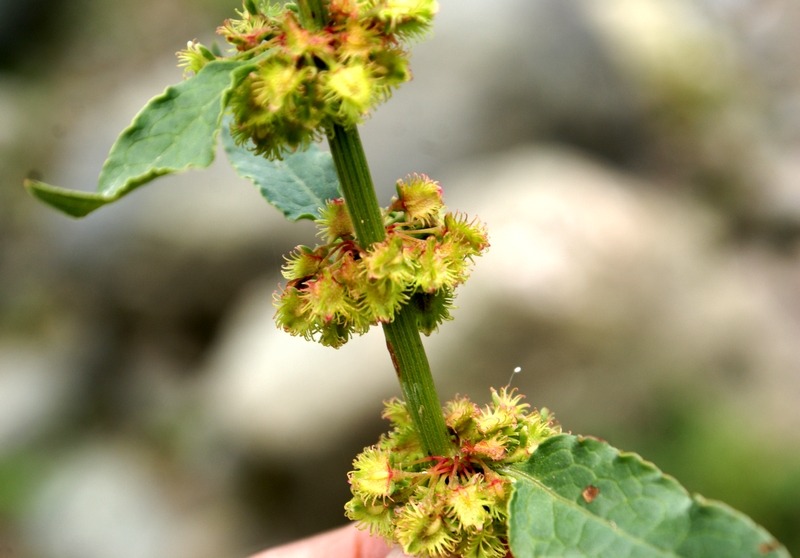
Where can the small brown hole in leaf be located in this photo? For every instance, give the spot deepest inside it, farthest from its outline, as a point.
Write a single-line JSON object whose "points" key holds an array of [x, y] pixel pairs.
{"points": [[590, 493]]}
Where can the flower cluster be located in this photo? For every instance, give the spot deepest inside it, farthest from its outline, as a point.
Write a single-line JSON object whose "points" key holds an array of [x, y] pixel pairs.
{"points": [[453, 505], [339, 288], [304, 78]]}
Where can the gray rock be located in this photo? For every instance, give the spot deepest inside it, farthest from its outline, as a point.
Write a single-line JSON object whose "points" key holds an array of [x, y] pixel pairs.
{"points": [[104, 501], [37, 386], [111, 498]]}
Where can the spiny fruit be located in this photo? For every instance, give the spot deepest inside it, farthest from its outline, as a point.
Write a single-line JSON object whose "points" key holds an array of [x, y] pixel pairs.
{"points": [[341, 288], [448, 505]]}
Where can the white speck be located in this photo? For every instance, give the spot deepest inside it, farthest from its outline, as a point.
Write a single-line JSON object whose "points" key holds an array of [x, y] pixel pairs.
{"points": [[517, 370]]}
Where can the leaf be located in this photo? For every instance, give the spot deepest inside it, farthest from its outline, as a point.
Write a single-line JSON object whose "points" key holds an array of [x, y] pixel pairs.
{"points": [[298, 186], [175, 131], [581, 497]]}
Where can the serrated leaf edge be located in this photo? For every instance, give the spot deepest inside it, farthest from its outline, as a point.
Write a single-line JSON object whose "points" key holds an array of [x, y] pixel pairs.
{"points": [[696, 501]]}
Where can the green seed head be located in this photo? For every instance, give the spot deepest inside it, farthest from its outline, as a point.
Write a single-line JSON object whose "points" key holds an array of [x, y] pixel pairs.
{"points": [[345, 289], [438, 507], [306, 79]]}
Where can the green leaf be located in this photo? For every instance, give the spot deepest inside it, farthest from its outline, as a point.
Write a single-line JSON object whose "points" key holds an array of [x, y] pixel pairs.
{"points": [[581, 497], [298, 186], [175, 131]]}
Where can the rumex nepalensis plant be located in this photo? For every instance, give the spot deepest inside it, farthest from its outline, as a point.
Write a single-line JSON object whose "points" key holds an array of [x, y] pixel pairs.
{"points": [[454, 481]]}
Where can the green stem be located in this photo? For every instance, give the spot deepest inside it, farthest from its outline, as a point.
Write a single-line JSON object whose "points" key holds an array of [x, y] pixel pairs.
{"points": [[356, 182], [414, 372], [402, 336]]}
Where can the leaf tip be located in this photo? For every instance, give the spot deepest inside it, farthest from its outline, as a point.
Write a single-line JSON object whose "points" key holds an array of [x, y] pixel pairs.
{"points": [[70, 202]]}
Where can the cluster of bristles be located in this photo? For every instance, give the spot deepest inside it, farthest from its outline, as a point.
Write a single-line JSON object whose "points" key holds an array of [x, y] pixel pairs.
{"points": [[305, 79], [339, 288], [454, 505]]}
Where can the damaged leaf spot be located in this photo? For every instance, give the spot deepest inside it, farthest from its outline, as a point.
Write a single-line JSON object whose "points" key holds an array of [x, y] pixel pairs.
{"points": [[770, 546], [590, 493]]}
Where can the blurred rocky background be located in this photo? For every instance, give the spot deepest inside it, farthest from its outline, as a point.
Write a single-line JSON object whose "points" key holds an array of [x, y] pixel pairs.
{"points": [[637, 163]]}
